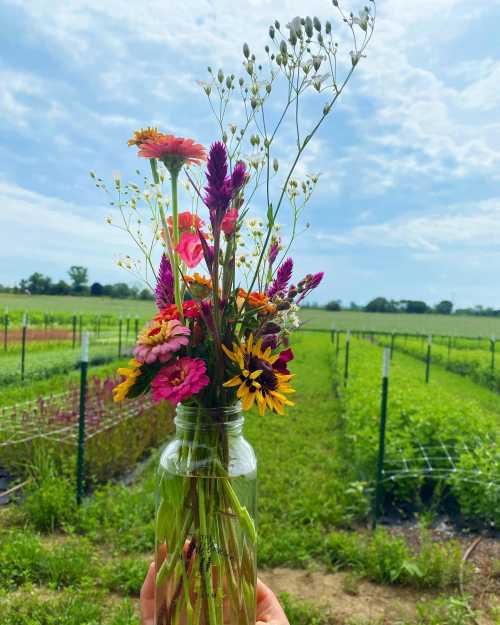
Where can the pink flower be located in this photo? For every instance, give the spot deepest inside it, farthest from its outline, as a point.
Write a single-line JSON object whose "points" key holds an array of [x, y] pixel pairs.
{"points": [[160, 341], [169, 148], [229, 221], [181, 379], [190, 249]]}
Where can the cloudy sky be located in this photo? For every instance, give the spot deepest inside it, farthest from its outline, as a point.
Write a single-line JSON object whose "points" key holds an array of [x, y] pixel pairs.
{"points": [[408, 204]]}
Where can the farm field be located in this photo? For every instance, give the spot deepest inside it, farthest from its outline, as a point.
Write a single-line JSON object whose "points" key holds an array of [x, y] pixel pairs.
{"points": [[416, 324], [89, 563]]}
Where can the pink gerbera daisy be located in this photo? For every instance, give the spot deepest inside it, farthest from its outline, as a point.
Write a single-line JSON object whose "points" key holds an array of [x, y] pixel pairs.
{"points": [[180, 380], [174, 152], [160, 341]]}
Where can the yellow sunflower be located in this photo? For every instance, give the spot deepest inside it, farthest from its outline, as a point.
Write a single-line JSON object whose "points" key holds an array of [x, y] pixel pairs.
{"points": [[257, 380], [131, 374]]}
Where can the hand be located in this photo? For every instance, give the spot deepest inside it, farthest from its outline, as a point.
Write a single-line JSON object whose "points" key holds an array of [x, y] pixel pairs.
{"points": [[269, 611]]}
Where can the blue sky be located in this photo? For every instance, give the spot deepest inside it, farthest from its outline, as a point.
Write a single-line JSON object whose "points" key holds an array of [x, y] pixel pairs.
{"points": [[408, 204]]}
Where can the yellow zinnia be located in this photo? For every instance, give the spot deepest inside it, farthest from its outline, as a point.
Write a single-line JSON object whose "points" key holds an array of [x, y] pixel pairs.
{"points": [[257, 380]]}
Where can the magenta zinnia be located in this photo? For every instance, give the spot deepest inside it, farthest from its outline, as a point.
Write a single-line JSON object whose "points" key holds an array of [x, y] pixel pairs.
{"points": [[160, 341], [180, 380]]}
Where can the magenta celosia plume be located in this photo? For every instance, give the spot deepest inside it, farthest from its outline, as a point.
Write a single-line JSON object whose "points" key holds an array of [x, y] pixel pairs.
{"points": [[160, 341], [165, 284], [283, 277], [180, 380]]}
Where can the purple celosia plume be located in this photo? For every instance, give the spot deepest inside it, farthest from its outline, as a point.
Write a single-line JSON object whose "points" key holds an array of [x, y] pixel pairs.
{"points": [[165, 284], [310, 282], [221, 188], [283, 277], [273, 252]]}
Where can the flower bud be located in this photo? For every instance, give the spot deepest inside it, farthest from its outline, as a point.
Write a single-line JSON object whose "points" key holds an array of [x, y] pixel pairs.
{"points": [[327, 108], [241, 82], [272, 32], [229, 82], [246, 50], [268, 87], [317, 24], [224, 137], [275, 165], [207, 89], [250, 67], [317, 62], [283, 48], [232, 128], [328, 28], [254, 102], [277, 25], [220, 76], [309, 27], [335, 3], [293, 38]]}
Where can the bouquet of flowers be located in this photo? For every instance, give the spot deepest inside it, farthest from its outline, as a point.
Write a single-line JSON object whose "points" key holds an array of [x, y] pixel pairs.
{"points": [[227, 303]]}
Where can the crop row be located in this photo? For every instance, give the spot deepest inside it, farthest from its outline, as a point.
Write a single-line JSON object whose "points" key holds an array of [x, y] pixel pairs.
{"points": [[442, 438], [478, 363]]}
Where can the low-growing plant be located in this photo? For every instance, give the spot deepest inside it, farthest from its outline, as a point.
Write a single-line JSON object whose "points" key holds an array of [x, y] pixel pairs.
{"points": [[125, 576], [446, 611], [304, 613]]}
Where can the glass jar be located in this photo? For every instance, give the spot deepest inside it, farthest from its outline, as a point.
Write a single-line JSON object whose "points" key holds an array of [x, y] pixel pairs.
{"points": [[205, 521]]}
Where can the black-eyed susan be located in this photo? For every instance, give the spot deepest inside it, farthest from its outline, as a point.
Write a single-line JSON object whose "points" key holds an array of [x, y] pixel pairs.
{"points": [[131, 373], [258, 380]]}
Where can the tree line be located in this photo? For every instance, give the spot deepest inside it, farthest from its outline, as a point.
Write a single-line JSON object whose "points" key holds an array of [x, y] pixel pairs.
{"points": [[384, 305], [78, 284]]}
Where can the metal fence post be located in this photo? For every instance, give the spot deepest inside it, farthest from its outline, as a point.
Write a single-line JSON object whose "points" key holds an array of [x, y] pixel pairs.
{"points": [[136, 327], [74, 330], [337, 344], [80, 458], [428, 360], [493, 344], [346, 361], [393, 337], [5, 328], [80, 328], [379, 484], [127, 329], [23, 345]]}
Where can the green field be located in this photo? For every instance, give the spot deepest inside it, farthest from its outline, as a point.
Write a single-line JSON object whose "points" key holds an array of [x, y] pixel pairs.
{"points": [[79, 305], [414, 324]]}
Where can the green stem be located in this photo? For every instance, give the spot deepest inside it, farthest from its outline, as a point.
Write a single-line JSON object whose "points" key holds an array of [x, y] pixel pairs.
{"points": [[174, 177], [206, 571]]}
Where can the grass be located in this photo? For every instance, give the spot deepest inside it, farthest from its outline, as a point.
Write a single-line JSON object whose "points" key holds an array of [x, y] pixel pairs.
{"points": [[88, 562], [74, 304], [413, 324]]}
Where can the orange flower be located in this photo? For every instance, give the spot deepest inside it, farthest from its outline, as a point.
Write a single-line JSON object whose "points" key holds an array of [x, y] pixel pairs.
{"points": [[144, 134], [199, 280], [257, 300], [174, 152]]}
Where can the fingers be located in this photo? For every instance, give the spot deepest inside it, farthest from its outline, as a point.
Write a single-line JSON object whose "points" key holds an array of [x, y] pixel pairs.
{"points": [[269, 610], [148, 587]]}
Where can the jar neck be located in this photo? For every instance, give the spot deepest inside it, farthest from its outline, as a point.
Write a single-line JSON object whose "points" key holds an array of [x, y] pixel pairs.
{"points": [[228, 419]]}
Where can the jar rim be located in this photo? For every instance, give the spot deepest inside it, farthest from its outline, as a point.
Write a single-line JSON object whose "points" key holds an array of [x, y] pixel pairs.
{"points": [[188, 417]]}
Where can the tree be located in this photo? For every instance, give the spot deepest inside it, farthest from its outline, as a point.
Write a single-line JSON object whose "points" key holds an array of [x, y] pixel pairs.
{"points": [[97, 290], [79, 277], [445, 307], [38, 284], [380, 304], [60, 288], [333, 305], [416, 307]]}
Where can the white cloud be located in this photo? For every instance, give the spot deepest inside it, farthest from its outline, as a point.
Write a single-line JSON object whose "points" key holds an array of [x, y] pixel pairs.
{"points": [[473, 225]]}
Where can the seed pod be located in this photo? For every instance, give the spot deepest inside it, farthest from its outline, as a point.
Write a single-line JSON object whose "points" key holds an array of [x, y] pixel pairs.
{"points": [[224, 137], [328, 28], [309, 27], [254, 102], [279, 60], [275, 165], [232, 128], [220, 76], [317, 24], [320, 38], [241, 82], [277, 25], [268, 87], [207, 89], [335, 3], [316, 62], [272, 32], [283, 48], [266, 48], [229, 82], [246, 50], [250, 67], [293, 38]]}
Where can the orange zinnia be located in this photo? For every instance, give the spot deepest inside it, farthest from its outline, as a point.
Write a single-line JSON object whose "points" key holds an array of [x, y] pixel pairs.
{"points": [[258, 300], [145, 134], [174, 152]]}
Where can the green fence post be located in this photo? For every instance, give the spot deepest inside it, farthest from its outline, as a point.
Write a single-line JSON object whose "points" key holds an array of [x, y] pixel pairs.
{"points": [[493, 344], [5, 328], [346, 360], [127, 329], [98, 326], [337, 344], [80, 458], [332, 334], [379, 484], [120, 329], [23, 345], [136, 326], [80, 329], [428, 360], [449, 349], [393, 336], [74, 330]]}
